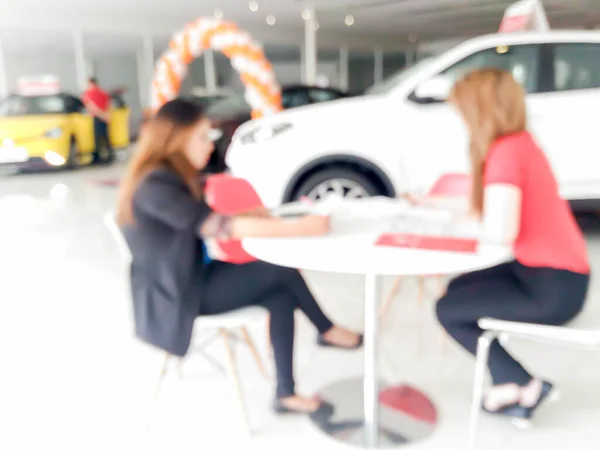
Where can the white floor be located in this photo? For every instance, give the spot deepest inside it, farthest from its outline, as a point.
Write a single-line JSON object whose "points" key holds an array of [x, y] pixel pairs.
{"points": [[73, 376]]}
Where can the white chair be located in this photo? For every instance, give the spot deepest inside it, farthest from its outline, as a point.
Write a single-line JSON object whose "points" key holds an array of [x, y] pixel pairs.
{"points": [[225, 326], [502, 330]]}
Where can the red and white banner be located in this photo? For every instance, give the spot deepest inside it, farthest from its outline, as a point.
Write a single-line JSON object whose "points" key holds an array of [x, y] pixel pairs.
{"points": [[524, 15], [42, 85]]}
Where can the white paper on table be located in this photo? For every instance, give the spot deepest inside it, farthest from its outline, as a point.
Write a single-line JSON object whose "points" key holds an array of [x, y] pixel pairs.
{"points": [[371, 207], [300, 208], [451, 227]]}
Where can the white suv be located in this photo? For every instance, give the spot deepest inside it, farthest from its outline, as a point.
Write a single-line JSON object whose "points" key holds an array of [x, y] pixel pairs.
{"points": [[400, 137]]}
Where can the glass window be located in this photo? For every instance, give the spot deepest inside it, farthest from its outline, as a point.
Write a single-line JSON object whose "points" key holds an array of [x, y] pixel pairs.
{"points": [[389, 84], [361, 71], [576, 66], [229, 106], [323, 95], [521, 60], [74, 105], [393, 62], [30, 106], [294, 98], [328, 68], [117, 102]]}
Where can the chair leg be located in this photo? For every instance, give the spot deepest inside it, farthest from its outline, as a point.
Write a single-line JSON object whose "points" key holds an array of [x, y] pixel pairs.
{"points": [[235, 378], [385, 306], [161, 377], [483, 352], [254, 351]]}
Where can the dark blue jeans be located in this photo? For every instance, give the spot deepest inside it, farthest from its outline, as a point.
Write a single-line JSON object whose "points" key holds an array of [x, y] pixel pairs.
{"points": [[513, 292], [101, 139], [226, 287]]}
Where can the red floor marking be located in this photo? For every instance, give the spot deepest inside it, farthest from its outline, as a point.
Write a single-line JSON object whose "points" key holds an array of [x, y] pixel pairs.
{"points": [[108, 182], [409, 401]]}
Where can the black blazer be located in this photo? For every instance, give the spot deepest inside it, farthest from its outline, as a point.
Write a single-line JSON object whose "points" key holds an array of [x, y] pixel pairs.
{"points": [[167, 260]]}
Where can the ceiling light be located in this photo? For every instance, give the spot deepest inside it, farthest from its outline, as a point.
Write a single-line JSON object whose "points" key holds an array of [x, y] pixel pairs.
{"points": [[271, 19], [218, 13], [349, 20], [306, 14], [316, 26], [253, 6]]}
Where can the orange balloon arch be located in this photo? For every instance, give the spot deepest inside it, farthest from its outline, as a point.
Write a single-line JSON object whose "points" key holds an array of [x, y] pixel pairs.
{"points": [[262, 92]]}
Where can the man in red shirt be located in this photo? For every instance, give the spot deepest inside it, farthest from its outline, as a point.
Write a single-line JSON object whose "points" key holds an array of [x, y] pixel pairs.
{"points": [[97, 102]]}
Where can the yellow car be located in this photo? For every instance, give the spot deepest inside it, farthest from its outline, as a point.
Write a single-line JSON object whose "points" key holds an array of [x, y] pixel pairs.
{"points": [[54, 131]]}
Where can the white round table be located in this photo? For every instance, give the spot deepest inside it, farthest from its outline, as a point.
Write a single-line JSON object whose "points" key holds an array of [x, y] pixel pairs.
{"points": [[355, 252]]}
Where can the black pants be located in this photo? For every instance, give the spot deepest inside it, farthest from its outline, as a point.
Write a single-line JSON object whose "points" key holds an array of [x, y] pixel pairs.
{"points": [[280, 290], [101, 140], [512, 292]]}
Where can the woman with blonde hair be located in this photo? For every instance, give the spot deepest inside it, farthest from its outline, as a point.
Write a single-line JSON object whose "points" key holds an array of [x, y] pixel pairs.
{"points": [[516, 196], [165, 218]]}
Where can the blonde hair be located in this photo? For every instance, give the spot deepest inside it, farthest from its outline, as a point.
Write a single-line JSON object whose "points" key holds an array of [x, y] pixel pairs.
{"points": [[492, 104]]}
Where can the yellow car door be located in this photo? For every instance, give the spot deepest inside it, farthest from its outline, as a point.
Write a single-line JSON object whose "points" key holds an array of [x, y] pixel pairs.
{"points": [[82, 125], [118, 126]]}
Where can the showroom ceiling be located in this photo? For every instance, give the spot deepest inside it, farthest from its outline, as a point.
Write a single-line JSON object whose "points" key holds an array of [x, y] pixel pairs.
{"points": [[401, 21]]}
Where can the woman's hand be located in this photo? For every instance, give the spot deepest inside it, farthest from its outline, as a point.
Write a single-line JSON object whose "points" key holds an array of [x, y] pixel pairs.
{"points": [[252, 226], [313, 225], [258, 212]]}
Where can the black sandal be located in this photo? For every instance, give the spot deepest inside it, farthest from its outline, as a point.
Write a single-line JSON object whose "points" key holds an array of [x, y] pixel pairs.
{"points": [[521, 415], [322, 342], [322, 413]]}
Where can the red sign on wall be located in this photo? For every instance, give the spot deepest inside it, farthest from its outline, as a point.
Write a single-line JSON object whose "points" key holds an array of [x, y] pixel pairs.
{"points": [[524, 15]]}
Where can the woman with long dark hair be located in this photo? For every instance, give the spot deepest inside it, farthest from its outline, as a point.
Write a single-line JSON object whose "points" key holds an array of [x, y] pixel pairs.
{"points": [[516, 196], [165, 218]]}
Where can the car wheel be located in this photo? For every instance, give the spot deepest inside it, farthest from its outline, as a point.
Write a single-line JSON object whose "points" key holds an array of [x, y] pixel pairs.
{"points": [[73, 161], [339, 181]]}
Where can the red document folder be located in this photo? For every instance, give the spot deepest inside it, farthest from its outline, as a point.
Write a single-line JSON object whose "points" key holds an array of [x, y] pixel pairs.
{"points": [[441, 243]]}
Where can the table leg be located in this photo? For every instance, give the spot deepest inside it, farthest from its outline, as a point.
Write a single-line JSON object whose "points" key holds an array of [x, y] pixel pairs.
{"points": [[371, 334], [371, 414]]}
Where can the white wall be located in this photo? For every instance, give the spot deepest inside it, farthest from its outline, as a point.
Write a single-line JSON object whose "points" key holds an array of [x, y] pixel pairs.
{"points": [[120, 71], [58, 63]]}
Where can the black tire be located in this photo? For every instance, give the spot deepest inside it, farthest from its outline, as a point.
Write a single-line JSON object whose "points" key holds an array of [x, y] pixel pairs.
{"points": [[339, 173], [73, 161]]}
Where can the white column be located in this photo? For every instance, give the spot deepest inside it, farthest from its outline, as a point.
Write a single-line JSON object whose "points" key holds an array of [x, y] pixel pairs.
{"points": [[146, 74], [90, 67], [3, 76], [344, 76], [310, 47], [80, 62], [145, 60], [302, 71], [210, 73], [141, 77], [378, 66]]}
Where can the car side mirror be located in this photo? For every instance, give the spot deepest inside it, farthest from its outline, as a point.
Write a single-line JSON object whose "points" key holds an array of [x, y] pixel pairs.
{"points": [[436, 88]]}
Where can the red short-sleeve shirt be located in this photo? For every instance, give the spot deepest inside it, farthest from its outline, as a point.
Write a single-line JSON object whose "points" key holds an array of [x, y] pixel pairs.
{"points": [[549, 235], [98, 97]]}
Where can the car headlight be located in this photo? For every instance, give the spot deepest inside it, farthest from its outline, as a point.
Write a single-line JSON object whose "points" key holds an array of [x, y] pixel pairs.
{"points": [[264, 132], [54, 133]]}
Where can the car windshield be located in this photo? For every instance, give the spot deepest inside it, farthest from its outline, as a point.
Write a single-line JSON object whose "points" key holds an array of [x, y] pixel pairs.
{"points": [[392, 81], [231, 105], [18, 105]]}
